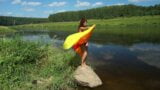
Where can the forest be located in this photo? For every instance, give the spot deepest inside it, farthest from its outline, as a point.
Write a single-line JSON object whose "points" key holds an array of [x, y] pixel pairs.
{"points": [[106, 12], [9, 20]]}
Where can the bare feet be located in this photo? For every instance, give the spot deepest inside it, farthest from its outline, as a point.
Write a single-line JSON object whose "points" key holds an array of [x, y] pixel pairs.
{"points": [[83, 64]]}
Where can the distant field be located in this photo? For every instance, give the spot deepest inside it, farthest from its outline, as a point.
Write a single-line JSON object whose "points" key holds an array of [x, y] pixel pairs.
{"points": [[4, 29], [103, 25], [140, 28]]}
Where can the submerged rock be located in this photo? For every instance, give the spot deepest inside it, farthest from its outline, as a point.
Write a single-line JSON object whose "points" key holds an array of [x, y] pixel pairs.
{"points": [[85, 76]]}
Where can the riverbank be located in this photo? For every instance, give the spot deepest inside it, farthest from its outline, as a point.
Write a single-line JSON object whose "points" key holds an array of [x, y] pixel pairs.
{"points": [[116, 25], [5, 29], [134, 26], [118, 30], [30, 65]]}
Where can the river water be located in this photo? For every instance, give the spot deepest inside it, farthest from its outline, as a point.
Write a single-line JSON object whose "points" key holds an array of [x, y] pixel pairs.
{"points": [[121, 66]]}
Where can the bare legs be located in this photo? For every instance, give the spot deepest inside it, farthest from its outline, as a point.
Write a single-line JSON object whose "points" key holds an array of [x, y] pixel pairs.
{"points": [[84, 56]]}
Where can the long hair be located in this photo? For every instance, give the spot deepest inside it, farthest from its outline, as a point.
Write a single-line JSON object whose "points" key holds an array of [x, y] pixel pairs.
{"points": [[82, 21]]}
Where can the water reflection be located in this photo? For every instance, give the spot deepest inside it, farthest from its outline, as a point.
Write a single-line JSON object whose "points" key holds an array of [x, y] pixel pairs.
{"points": [[148, 53], [120, 67]]}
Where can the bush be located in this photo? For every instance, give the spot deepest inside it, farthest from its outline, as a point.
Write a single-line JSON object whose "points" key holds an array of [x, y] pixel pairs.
{"points": [[24, 63], [17, 57]]}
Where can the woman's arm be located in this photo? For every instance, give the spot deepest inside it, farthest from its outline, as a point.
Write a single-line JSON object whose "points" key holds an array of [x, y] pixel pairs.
{"points": [[82, 29]]}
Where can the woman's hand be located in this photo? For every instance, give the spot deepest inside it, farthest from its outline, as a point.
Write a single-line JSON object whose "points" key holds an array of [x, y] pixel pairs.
{"points": [[84, 28]]}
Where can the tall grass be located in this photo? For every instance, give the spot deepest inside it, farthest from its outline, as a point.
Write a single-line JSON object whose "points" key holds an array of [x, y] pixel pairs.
{"points": [[31, 65]]}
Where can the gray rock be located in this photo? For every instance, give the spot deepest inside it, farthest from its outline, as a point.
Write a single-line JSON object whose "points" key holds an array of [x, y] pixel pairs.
{"points": [[85, 76]]}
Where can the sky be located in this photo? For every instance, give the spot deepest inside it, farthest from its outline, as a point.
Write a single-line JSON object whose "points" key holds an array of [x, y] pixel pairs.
{"points": [[43, 8]]}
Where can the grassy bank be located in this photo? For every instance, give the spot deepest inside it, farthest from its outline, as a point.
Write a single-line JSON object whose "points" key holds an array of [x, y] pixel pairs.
{"points": [[116, 25], [5, 29], [30, 66], [131, 29]]}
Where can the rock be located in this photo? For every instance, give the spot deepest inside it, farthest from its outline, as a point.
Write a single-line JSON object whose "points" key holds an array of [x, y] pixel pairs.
{"points": [[85, 76]]}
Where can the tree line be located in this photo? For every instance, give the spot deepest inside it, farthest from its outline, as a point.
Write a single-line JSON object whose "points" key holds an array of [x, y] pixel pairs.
{"points": [[9, 20], [106, 12]]}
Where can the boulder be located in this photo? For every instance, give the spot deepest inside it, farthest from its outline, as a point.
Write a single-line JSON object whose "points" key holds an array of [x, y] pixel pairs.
{"points": [[85, 76]]}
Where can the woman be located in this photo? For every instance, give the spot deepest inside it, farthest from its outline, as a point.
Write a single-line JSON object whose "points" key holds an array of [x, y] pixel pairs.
{"points": [[82, 27]]}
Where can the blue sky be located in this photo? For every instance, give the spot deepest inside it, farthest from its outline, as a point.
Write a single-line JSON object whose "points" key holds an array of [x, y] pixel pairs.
{"points": [[42, 8]]}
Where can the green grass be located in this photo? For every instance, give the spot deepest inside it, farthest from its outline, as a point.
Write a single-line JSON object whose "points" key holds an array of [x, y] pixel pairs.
{"points": [[5, 29], [32, 65], [122, 29], [116, 25]]}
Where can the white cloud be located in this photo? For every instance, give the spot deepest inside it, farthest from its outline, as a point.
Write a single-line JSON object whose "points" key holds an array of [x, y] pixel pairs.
{"points": [[6, 13], [16, 1], [82, 4], [119, 4], [26, 3], [61, 11], [48, 12], [97, 4], [9, 13], [29, 9], [138, 0], [31, 3], [51, 11], [57, 4]]}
